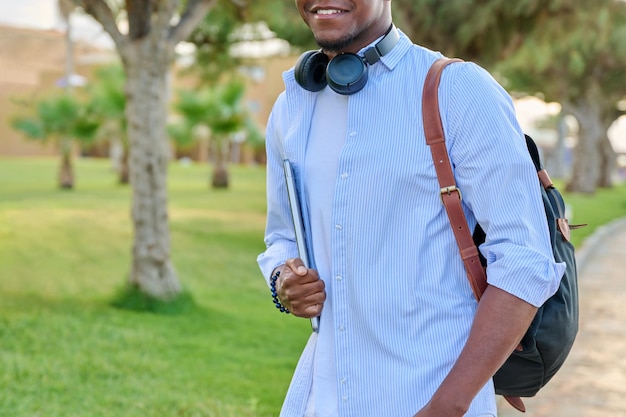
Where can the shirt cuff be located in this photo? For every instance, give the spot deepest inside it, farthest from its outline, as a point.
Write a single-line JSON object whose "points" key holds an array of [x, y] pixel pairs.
{"points": [[524, 273]]}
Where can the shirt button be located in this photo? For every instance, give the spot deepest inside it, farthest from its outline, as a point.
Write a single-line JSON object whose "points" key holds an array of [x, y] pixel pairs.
{"points": [[338, 277], [338, 227], [344, 175], [344, 398], [343, 381], [353, 133], [341, 327]]}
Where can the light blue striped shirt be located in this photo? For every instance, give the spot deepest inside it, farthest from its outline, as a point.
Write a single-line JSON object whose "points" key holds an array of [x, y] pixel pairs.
{"points": [[399, 306]]}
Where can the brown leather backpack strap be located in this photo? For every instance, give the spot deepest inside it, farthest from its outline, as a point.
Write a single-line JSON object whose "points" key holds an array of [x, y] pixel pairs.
{"points": [[450, 194], [515, 402]]}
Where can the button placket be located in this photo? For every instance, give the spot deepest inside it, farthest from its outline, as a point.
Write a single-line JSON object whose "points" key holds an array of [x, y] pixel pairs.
{"points": [[341, 315]]}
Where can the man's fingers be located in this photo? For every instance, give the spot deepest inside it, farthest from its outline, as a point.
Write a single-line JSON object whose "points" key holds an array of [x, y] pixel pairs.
{"points": [[297, 266], [309, 308], [291, 278], [312, 311], [306, 293], [306, 300]]}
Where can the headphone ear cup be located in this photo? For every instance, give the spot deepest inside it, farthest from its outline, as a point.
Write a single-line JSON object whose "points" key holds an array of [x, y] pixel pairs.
{"points": [[346, 74], [310, 70]]}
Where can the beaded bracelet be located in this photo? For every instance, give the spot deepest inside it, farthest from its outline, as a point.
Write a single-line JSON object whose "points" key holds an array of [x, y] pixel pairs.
{"points": [[277, 303]]}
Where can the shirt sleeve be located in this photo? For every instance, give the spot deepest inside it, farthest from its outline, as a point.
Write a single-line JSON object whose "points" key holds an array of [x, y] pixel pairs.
{"points": [[499, 183], [279, 233]]}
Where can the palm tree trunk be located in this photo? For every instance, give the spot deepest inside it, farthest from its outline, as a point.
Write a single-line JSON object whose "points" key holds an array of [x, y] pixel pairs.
{"points": [[66, 171], [152, 270], [220, 169], [124, 171]]}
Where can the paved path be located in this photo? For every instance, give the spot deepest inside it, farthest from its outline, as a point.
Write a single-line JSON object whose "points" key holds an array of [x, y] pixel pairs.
{"points": [[592, 382]]}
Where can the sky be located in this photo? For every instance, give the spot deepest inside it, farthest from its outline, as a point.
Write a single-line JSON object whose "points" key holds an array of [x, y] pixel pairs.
{"points": [[44, 14], [41, 14]]}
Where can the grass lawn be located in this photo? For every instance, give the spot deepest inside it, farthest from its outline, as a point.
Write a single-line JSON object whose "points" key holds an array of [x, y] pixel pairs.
{"points": [[66, 352]]}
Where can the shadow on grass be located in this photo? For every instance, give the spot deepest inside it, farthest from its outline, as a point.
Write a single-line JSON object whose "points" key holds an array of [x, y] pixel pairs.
{"points": [[130, 297]]}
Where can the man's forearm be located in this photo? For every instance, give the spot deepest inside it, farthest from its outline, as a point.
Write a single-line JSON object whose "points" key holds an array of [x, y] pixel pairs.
{"points": [[500, 323]]}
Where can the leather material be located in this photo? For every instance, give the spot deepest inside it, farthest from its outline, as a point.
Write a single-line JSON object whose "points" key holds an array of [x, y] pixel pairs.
{"points": [[544, 178], [563, 226], [516, 402], [452, 200]]}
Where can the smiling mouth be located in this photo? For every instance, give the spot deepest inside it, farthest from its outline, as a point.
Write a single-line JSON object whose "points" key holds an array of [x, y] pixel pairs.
{"points": [[328, 12]]}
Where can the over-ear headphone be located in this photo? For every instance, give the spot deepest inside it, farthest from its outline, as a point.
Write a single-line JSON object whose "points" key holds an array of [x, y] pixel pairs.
{"points": [[346, 73]]}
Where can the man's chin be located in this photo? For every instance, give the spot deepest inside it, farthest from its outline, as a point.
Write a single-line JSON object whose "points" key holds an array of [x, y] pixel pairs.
{"points": [[334, 45]]}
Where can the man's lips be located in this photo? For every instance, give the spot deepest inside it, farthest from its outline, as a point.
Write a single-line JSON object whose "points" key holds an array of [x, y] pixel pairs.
{"points": [[327, 11]]}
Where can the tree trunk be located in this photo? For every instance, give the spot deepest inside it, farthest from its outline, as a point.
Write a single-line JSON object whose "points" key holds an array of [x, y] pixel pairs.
{"points": [[220, 176], [220, 170], [124, 171], [608, 167], [66, 171], [587, 159], [607, 163], [147, 63]]}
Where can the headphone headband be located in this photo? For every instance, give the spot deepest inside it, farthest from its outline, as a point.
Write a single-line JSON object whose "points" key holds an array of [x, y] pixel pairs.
{"points": [[382, 47]]}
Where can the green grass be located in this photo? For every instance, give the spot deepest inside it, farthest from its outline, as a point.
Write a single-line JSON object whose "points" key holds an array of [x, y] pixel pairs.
{"points": [[66, 351], [595, 210]]}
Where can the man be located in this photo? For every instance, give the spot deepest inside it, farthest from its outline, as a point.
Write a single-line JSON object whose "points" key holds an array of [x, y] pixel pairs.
{"points": [[400, 332]]}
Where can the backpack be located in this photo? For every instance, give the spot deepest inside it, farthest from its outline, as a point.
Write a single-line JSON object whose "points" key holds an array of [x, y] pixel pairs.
{"points": [[548, 340]]}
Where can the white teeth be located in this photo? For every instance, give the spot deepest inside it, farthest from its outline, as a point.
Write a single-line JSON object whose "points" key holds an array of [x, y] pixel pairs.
{"points": [[328, 11]]}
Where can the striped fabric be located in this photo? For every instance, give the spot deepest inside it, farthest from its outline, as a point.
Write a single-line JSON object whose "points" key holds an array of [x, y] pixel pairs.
{"points": [[399, 306]]}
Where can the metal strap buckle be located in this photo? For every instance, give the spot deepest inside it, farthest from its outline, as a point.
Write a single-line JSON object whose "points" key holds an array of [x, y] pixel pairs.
{"points": [[449, 190]]}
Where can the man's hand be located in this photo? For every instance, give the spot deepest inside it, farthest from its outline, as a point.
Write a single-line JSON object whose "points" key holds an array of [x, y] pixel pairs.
{"points": [[300, 289], [500, 323], [440, 410]]}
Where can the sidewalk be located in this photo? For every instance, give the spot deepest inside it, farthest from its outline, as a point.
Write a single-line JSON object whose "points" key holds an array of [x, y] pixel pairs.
{"points": [[592, 382]]}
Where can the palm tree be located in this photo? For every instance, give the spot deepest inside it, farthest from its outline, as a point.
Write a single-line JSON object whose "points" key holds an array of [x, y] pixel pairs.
{"points": [[218, 111], [108, 100], [62, 120]]}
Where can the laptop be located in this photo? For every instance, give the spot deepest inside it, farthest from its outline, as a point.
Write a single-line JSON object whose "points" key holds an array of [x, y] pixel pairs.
{"points": [[298, 224]]}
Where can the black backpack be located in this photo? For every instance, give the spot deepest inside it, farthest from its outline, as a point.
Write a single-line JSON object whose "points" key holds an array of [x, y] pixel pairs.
{"points": [[551, 335]]}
